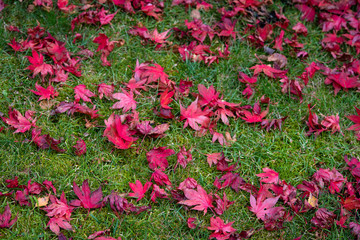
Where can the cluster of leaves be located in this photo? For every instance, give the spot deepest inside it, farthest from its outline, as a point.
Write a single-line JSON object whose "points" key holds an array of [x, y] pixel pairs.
{"points": [[51, 63]]}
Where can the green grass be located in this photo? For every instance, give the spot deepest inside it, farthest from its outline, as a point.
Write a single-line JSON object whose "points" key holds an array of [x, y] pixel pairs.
{"points": [[290, 152]]}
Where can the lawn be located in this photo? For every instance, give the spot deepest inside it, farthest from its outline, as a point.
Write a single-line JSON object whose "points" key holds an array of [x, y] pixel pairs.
{"points": [[290, 152]]}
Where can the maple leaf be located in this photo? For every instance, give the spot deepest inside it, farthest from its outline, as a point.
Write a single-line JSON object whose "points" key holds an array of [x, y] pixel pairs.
{"points": [[45, 141], [106, 90], [213, 158], [355, 229], [5, 218], [353, 118], [61, 211], [332, 123], [198, 198], [300, 28], [45, 93], [183, 157], [166, 98], [80, 147], [269, 176], [38, 66], [222, 230], [157, 193], [268, 71], [151, 10], [156, 132], [323, 218], [157, 157], [342, 80], [120, 205], [118, 133], [160, 177], [313, 124], [207, 96], [256, 115], [126, 101], [222, 204], [87, 199], [190, 223], [308, 12], [19, 122], [56, 223], [260, 208], [138, 189], [194, 116], [82, 93], [159, 37]]}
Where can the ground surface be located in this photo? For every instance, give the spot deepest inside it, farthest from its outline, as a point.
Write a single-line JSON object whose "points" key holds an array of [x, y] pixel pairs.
{"points": [[289, 152]]}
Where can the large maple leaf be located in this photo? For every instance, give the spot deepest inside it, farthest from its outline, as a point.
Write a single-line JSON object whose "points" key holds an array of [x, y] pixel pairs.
{"points": [[139, 190], [45, 93], [5, 218], [59, 212], [87, 199], [82, 93], [269, 176], [118, 133], [256, 116], [20, 122], [38, 66], [260, 208], [198, 198], [221, 230], [268, 71], [126, 101], [157, 157], [356, 120], [194, 116]]}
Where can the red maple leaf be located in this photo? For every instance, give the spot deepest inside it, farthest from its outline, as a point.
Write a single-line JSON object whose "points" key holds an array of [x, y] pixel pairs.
{"points": [[268, 71], [45, 141], [356, 120], [151, 10], [313, 123], [80, 147], [222, 204], [56, 223], [269, 176], [87, 199], [5, 218], [222, 230], [59, 212], [194, 116], [183, 157], [38, 66], [138, 189], [82, 93], [45, 93], [106, 90], [198, 198], [157, 193], [160, 178], [332, 123], [20, 122], [256, 116], [342, 81], [126, 101], [213, 158], [260, 208], [166, 98], [207, 96], [146, 129], [157, 157], [118, 133], [308, 13]]}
